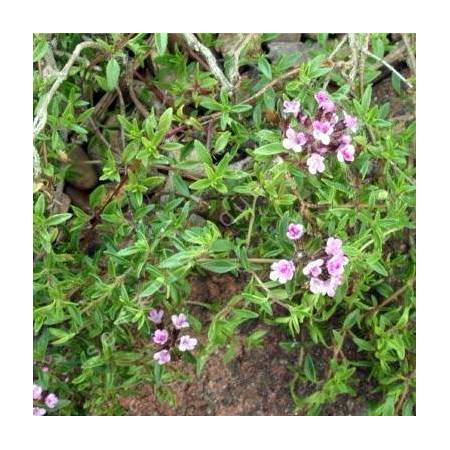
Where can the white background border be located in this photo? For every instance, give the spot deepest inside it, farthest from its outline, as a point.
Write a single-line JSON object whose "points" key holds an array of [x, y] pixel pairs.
{"points": [[21, 19]]}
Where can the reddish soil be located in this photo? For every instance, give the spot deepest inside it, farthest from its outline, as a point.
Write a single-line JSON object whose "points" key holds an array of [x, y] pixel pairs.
{"points": [[254, 382]]}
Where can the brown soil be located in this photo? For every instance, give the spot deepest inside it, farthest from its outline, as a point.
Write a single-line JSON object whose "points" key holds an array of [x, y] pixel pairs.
{"points": [[254, 382]]}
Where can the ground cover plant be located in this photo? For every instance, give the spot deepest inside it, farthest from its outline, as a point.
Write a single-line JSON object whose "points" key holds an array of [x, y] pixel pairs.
{"points": [[167, 162]]}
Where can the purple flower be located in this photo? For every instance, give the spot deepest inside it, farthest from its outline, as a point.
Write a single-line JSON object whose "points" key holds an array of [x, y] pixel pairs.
{"points": [[160, 337], [51, 400], [322, 150], [37, 392], [180, 321], [313, 268], [334, 119], [317, 286], [282, 270], [162, 357], [335, 265], [324, 101], [295, 231], [187, 343], [294, 141], [334, 246], [156, 316], [345, 152], [331, 285], [39, 411], [292, 106], [351, 122], [315, 163], [322, 131]]}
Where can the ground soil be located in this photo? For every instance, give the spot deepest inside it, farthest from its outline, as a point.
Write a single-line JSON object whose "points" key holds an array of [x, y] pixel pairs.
{"points": [[254, 382]]}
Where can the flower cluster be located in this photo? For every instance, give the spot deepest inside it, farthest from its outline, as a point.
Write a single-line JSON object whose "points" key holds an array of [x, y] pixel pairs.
{"points": [[320, 135], [325, 273], [167, 339], [40, 399]]}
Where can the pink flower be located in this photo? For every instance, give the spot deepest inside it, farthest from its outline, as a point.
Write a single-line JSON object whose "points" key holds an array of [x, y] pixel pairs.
{"points": [[351, 122], [37, 392], [313, 268], [322, 150], [294, 141], [324, 101], [187, 343], [282, 270], [334, 246], [334, 119], [345, 152], [160, 337], [45, 369], [322, 131], [331, 285], [51, 400], [292, 106], [180, 321], [295, 231], [162, 357], [315, 163], [156, 316], [317, 286], [39, 411], [346, 139], [335, 265]]}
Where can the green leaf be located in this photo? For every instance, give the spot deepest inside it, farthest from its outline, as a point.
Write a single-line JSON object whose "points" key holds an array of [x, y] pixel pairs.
{"points": [[179, 259], [39, 206], [222, 141], [270, 149], [200, 184], [161, 40], [203, 153], [365, 101], [211, 104], [309, 369], [377, 266], [40, 50], [165, 121], [245, 314], [56, 219], [62, 336], [264, 67], [241, 108], [112, 74], [363, 345], [219, 265]]}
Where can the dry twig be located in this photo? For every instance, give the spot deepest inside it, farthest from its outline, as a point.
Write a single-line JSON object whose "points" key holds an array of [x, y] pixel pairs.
{"points": [[195, 44], [40, 118]]}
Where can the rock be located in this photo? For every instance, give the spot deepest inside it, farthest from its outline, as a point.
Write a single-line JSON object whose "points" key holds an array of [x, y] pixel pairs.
{"points": [[81, 174], [62, 204], [312, 36], [79, 198], [226, 44], [278, 49], [288, 37], [195, 220]]}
